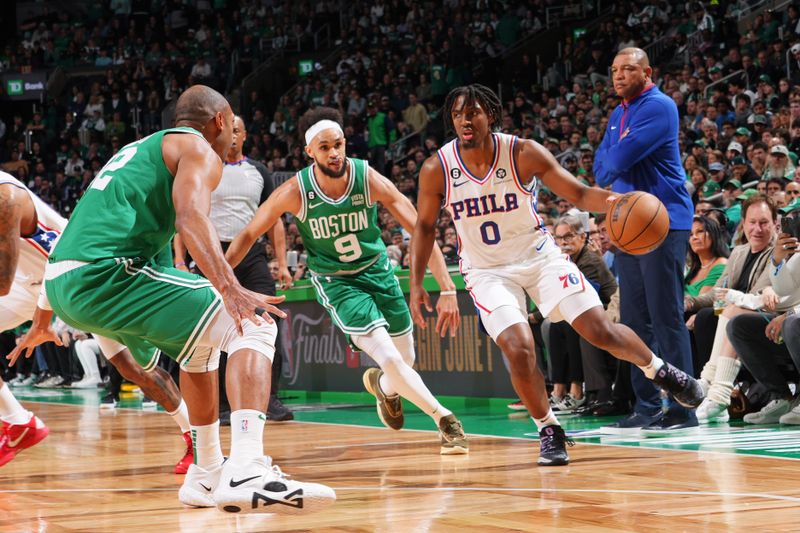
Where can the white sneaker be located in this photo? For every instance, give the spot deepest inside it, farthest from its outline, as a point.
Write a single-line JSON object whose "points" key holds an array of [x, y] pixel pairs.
{"points": [[711, 411], [16, 382], [88, 382], [568, 404], [262, 488], [30, 380], [792, 417], [770, 413], [198, 486]]}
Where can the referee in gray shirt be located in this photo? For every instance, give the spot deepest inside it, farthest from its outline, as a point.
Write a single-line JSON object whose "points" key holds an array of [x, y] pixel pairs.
{"points": [[245, 185]]}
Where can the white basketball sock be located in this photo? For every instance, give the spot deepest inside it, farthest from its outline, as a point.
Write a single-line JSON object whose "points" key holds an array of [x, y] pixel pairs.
{"points": [[398, 377], [247, 434], [722, 386], [547, 420], [10, 409], [207, 449], [652, 367], [181, 417]]}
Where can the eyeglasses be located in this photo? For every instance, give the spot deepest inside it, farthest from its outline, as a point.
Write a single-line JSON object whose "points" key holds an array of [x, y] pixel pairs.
{"points": [[793, 192], [565, 237]]}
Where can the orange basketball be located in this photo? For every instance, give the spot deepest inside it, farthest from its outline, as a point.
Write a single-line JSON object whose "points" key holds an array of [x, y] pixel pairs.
{"points": [[637, 222]]}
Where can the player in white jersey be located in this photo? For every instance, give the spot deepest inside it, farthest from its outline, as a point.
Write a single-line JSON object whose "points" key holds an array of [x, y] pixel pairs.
{"points": [[28, 231], [484, 180]]}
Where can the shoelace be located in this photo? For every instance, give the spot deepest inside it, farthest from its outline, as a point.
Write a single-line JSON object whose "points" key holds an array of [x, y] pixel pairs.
{"points": [[456, 428], [549, 442], [279, 473]]}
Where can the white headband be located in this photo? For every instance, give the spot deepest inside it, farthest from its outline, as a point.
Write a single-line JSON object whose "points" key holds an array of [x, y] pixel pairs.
{"points": [[324, 124]]}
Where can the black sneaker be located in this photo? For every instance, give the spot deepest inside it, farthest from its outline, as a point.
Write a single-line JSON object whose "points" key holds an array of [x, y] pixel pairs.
{"points": [[109, 401], [553, 446], [277, 411], [612, 408], [586, 409], [671, 426], [684, 388]]}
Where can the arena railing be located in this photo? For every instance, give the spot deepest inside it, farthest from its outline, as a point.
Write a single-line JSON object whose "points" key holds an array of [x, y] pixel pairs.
{"points": [[741, 72], [747, 15]]}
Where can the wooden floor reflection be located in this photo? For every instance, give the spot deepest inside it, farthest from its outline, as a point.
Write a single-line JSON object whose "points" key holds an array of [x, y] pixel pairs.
{"points": [[111, 472]]}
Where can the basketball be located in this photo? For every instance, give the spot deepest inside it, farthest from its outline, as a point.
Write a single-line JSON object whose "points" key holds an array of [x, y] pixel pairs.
{"points": [[637, 222]]}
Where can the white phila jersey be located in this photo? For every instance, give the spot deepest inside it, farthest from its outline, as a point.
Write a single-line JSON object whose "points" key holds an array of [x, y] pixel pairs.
{"points": [[495, 216], [35, 249]]}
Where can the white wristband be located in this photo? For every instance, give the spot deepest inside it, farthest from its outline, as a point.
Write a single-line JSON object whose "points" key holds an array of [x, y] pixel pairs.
{"points": [[447, 293]]}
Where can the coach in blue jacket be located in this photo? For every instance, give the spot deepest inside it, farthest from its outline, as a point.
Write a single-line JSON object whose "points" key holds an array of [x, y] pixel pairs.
{"points": [[640, 152]]}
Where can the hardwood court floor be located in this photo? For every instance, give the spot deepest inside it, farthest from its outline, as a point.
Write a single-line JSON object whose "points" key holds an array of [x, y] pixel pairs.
{"points": [[101, 472]]}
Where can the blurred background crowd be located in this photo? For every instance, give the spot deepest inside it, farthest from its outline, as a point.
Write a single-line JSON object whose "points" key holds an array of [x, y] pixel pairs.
{"points": [[732, 68]]}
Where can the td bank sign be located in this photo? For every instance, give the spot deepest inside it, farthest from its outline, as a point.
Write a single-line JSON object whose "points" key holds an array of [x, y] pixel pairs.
{"points": [[24, 86]]}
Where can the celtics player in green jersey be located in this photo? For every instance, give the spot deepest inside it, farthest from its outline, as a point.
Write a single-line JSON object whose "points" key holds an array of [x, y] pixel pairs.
{"points": [[102, 278], [334, 204]]}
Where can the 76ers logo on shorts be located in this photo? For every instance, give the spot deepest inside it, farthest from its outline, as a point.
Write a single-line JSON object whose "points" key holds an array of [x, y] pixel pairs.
{"points": [[569, 279]]}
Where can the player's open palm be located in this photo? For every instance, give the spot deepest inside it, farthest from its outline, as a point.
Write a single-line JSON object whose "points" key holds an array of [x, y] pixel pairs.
{"points": [[243, 304], [31, 340]]}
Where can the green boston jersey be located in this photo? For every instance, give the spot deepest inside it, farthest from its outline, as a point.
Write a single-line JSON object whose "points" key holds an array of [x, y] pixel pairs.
{"points": [[340, 236], [127, 211]]}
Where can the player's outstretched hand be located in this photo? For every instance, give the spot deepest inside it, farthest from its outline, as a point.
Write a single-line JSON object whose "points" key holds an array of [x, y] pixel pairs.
{"points": [[449, 317], [32, 339], [243, 304]]}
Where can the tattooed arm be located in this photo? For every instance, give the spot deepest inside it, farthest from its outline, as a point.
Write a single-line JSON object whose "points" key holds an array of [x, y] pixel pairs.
{"points": [[10, 220]]}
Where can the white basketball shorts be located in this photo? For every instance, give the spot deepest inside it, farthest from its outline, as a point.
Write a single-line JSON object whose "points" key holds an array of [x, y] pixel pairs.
{"points": [[551, 280]]}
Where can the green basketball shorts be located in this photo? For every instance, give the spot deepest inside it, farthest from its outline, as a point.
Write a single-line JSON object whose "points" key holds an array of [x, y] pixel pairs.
{"points": [[145, 306], [360, 303]]}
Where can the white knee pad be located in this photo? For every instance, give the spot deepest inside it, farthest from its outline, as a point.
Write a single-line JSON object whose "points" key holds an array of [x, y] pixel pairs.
{"points": [[405, 345], [203, 359], [222, 335], [257, 337]]}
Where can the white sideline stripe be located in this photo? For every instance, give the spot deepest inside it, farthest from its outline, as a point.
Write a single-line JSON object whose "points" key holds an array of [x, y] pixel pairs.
{"points": [[761, 495]]}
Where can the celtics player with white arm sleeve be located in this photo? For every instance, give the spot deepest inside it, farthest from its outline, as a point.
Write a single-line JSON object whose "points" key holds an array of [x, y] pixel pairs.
{"points": [[102, 278], [333, 201]]}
